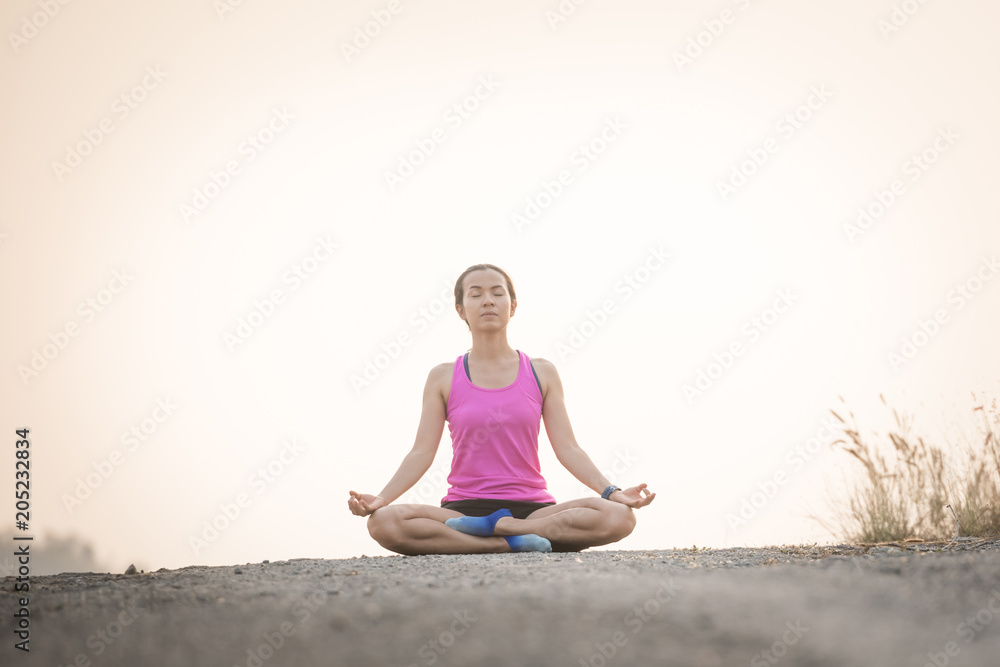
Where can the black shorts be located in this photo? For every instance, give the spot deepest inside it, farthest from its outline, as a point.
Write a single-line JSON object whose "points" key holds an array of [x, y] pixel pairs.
{"points": [[519, 509]]}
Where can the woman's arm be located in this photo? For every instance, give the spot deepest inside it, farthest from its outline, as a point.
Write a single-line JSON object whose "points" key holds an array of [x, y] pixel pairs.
{"points": [[560, 432], [420, 457], [564, 444]]}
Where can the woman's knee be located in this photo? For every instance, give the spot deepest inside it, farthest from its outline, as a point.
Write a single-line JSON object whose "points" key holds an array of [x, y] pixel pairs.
{"points": [[383, 525], [621, 521]]}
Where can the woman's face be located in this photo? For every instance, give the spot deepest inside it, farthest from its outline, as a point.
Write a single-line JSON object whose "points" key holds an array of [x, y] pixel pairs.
{"points": [[486, 301]]}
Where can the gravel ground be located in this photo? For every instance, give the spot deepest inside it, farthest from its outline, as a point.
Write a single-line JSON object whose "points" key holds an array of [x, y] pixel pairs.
{"points": [[799, 605]]}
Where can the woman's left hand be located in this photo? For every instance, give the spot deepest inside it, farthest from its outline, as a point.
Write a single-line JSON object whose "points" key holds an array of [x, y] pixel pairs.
{"points": [[633, 496]]}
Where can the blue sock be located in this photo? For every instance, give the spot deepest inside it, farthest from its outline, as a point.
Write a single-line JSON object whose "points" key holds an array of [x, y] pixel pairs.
{"points": [[477, 525], [530, 542]]}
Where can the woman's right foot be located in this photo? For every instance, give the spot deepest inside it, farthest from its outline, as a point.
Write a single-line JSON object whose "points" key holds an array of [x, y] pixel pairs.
{"points": [[530, 542]]}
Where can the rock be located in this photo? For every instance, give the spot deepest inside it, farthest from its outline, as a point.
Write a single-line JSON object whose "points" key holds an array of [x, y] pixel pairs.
{"points": [[131, 570], [238, 571], [884, 550]]}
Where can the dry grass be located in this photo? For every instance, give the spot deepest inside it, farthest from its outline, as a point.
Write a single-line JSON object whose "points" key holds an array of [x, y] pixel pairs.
{"points": [[908, 484]]}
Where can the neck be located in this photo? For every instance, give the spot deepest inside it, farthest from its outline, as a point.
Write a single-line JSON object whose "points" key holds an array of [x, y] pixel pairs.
{"points": [[491, 346]]}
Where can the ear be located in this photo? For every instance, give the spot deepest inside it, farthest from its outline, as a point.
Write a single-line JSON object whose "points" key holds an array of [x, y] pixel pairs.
{"points": [[513, 307], [460, 309]]}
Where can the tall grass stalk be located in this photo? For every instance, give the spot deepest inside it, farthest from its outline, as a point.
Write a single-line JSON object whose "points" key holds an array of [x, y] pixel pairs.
{"points": [[907, 484]]}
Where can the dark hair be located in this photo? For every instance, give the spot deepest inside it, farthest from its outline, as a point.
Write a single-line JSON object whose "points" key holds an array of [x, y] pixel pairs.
{"points": [[460, 283]]}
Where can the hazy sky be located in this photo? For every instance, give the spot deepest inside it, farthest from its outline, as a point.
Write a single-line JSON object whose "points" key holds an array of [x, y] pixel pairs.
{"points": [[229, 233]]}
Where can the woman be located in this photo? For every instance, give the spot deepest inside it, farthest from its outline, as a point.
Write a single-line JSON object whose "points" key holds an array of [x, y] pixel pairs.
{"points": [[493, 398]]}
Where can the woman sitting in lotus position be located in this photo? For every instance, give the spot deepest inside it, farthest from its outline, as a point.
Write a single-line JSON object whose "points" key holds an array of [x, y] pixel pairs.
{"points": [[493, 398]]}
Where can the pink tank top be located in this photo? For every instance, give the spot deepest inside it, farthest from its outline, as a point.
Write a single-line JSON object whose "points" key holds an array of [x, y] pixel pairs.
{"points": [[494, 434]]}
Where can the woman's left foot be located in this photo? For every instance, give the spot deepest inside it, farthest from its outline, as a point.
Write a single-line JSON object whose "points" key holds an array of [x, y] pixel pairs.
{"points": [[477, 525]]}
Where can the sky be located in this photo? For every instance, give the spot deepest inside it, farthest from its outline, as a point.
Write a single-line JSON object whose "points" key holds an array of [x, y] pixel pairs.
{"points": [[229, 233]]}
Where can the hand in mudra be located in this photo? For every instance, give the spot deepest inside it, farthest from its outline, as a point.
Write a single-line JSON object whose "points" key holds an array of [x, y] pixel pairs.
{"points": [[633, 496], [364, 504]]}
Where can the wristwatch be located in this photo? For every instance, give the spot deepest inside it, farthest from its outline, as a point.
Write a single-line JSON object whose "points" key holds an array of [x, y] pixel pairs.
{"points": [[608, 491]]}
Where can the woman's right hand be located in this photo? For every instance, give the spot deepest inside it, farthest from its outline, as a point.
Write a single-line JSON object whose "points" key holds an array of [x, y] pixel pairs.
{"points": [[364, 504]]}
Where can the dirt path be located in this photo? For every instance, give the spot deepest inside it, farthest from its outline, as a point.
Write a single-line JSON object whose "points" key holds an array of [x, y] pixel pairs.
{"points": [[779, 605]]}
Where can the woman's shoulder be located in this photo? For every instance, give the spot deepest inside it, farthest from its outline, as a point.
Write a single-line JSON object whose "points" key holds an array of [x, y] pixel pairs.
{"points": [[439, 379], [443, 369], [540, 363], [545, 370]]}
